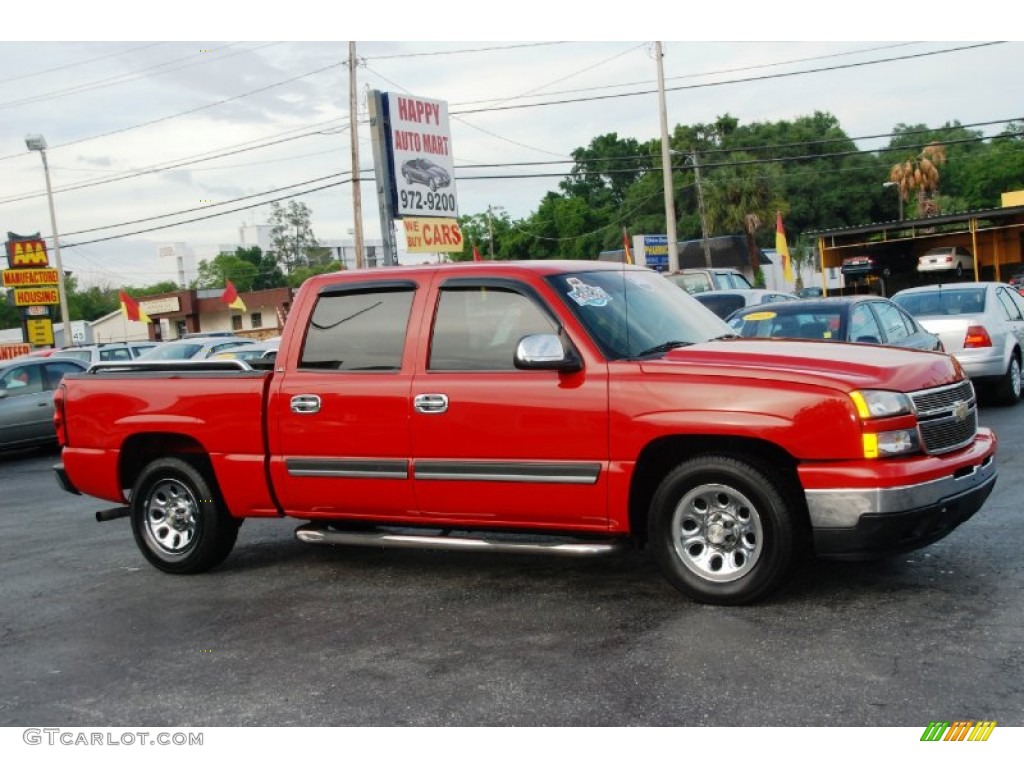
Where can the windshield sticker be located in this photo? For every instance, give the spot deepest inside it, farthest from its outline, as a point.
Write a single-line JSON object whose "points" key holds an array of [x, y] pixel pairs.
{"points": [[587, 295], [755, 316]]}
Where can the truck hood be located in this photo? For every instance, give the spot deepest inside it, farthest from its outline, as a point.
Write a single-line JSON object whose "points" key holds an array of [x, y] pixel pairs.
{"points": [[817, 363]]}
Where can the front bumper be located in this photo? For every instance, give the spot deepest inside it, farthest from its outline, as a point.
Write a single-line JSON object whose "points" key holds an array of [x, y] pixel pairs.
{"points": [[864, 523]]}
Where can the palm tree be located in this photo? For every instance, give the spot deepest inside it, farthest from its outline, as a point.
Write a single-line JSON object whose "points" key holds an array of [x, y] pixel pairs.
{"points": [[920, 173], [742, 196]]}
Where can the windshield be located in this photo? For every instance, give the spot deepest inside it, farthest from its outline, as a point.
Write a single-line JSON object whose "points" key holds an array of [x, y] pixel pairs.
{"points": [[948, 301], [172, 352], [631, 312]]}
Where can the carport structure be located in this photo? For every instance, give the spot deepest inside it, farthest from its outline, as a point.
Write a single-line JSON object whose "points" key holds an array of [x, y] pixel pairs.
{"points": [[995, 237]]}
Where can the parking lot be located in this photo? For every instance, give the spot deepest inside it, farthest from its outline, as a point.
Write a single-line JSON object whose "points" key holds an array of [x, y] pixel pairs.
{"points": [[289, 634]]}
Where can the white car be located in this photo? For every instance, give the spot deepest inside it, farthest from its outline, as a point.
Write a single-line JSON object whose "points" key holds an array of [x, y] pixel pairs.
{"points": [[947, 259], [116, 351], [193, 348], [723, 303], [980, 324]]}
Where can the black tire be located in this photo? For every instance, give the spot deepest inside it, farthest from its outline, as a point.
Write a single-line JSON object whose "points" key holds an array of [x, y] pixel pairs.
{"points": [[723, 531], [1008, 390], [178, 518]]}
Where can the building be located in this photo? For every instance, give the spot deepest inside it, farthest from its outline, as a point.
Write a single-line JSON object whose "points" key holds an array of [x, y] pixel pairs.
{"points": [[995, 237], [203, 311], [342, 251]]}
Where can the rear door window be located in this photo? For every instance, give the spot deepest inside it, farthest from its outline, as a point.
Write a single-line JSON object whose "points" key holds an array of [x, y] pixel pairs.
{"points": [[358, 330]]}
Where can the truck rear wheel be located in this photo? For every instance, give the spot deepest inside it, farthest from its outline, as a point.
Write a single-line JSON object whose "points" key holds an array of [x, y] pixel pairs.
{"points": [[178, 519], [723, 531]]}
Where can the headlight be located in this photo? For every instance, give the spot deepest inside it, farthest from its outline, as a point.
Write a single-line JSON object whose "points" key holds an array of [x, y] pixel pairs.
{"points": [[893, 443], [878, 403]]}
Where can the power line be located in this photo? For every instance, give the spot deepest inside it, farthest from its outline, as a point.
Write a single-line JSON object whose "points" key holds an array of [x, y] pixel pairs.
{"points": [[130, 76], [62, 67], [202, 218], [752, 79]]}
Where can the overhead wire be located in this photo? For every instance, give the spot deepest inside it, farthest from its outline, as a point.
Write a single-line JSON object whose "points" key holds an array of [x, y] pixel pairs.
{"points": [[472, 178]]}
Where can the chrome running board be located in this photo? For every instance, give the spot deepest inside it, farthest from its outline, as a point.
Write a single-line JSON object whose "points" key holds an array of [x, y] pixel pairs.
{"points": [[407, 538]]}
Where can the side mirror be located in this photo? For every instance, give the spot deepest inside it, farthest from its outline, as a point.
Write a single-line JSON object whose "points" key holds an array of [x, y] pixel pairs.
{"points": [[545, 352], [868, 340]]}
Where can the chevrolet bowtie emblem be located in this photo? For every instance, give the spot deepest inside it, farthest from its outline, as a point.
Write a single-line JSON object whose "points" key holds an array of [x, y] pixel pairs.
{"points": [[960, 409]]}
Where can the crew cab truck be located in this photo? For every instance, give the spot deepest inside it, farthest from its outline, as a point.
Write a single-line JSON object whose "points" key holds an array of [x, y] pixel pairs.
{"points": [[552, 406]]}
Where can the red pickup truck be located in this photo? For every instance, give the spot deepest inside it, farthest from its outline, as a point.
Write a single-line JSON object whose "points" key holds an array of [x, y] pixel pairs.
{"points": [[553, 406]]}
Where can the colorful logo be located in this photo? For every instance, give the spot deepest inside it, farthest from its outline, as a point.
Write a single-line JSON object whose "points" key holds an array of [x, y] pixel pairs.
{"points": [[960, 730]]}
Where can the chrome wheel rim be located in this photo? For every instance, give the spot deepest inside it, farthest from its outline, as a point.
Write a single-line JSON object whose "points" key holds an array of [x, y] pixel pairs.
{"points": [[172, 517], [1015, 377], [717, 533]]}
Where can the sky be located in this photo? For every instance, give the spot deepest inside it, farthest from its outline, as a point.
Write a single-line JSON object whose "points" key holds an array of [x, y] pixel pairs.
{"points": [[180, 130]]}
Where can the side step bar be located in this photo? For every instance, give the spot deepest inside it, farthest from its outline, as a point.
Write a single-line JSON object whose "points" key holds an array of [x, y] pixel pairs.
{"points": [[503, 543]]}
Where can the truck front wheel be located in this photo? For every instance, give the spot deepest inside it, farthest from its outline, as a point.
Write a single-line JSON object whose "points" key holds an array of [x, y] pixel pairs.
{"points": [[178, 519], [722, 531]]}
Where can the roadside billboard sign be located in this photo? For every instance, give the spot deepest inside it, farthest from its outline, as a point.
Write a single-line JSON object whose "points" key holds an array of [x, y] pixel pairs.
{"points": [[40, 331], [26, 297], [420, 145], [26, 251], [424, 235]]}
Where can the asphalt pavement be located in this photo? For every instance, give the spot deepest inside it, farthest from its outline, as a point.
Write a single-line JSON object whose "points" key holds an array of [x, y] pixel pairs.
{"points": [[285, 633]]}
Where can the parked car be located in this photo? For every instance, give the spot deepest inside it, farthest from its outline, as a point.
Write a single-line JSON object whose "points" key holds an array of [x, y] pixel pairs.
{"points": [[422, 171], [981, 324], [879, 264], [197, 348], [811, 292], [859, 319], [697, 280], [1016, 281], [109, 352], [26, 399], [260, 350], [724, 303], [947, 259]]}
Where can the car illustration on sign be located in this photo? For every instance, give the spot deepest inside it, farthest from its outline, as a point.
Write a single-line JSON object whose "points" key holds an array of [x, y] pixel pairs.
{"points": [[422, 171]]}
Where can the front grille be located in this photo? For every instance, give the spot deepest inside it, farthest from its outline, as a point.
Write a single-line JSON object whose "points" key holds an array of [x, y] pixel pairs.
{"points": [[947, 416]]}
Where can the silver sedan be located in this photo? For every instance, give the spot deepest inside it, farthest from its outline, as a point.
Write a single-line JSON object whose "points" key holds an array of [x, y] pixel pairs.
{"points": [[26, 399], [981, 324]]}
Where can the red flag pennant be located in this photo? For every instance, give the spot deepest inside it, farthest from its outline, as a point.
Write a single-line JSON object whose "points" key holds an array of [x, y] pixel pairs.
{"points": [[231, 297], [131, 309], [476, 254]]}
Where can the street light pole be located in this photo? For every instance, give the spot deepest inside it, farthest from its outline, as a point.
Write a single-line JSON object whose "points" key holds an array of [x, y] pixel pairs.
{"points": [[36, 143], [899, 194], [666, 169]]}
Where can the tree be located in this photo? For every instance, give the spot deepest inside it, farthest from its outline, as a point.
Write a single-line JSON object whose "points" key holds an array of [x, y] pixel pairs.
{"points": [[921, 173], [741, 197], [292, 238], [226, 266], [606, 169]]}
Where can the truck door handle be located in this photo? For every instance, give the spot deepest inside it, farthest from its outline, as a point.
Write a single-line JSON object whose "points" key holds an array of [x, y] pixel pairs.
{"points": [[306, 404], [430, 403]]}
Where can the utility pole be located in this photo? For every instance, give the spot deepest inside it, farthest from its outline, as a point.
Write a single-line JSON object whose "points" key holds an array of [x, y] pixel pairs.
{"points": [[353, 119], [490, 226], [703, 212], [666, 170]]}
